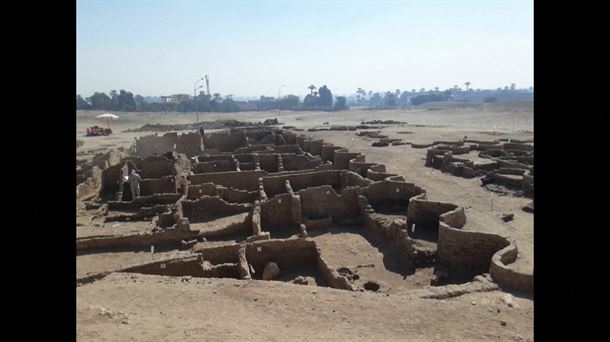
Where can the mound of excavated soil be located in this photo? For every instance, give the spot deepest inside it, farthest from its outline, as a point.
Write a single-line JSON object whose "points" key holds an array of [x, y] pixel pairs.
{"points": [[205, 124]]}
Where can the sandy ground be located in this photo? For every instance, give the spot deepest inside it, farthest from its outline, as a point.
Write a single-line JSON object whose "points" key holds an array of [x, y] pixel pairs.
{"points": [[139, 307], [136, 307]]}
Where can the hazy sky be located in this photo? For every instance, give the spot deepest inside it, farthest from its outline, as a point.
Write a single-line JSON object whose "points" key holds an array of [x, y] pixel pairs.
{"points": [[251, 48]]}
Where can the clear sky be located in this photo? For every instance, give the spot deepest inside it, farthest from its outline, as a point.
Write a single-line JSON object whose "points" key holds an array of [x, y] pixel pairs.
{"points": [[251, 48]]}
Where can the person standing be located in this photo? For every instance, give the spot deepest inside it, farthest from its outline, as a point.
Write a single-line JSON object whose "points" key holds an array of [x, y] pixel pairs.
{"points": [[134, 183]]}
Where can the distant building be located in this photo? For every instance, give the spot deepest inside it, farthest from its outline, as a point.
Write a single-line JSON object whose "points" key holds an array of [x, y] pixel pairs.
{"points": [[176, 98]]}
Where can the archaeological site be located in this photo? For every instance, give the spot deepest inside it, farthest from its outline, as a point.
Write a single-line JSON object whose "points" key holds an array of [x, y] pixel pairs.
{"points": [[271, 204]]}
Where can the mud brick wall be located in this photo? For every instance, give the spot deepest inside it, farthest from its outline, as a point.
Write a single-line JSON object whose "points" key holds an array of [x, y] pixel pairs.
{"points": [[276, 212], [520, 147], [292, 148], [354, 179], [137, 161], [205, 159], [151, 144], [268, 162], [204, 208], [274, 185], [390, 190], [224, 142], [156, 166], [214, 166], [315, 147], [323, 201], [328, 152], [189, 143], [285, 253], [425, 214], [242, 180], [135, 240], [468, 251], [163, 185], [188, 266], [505, 275], [144, 201], [244, 157], [289, 137], [254, 148], [219, 254], [341, 158], [294, 162]]}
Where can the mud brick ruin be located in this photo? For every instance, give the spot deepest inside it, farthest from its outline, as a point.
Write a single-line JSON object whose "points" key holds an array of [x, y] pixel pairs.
{"points": [[509, 164], [259, 203]]}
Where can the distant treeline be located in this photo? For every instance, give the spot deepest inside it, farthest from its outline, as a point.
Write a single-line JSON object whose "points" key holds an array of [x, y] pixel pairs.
{"points": [[398, 98], [126, 101]]}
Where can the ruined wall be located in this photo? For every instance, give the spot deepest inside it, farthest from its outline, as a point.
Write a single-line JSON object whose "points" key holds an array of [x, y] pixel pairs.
{"points": [[189, 143], [227, 194], [227, 252], [285, 253], [156, 166], [214, 166], [223, 141], [292, 148], [327, 152], [425, 214], [151, 144], [293, 162], [274, 185], [207, 208], [144, 201], [242, 180], [354, 179], [467, 251], [323, 201], [379, 192], [268, 162], [505, 275], [163, 185], [276, 212], [342, 157]]}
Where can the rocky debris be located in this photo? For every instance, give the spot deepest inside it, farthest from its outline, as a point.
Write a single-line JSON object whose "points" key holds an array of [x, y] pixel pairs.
{"points": [[399, 142], [503, 322], [382, 122], [349, 274], [271, 271], [508, 217], [79, 143], [528, 208], [187, 244], [371, 286], [270, 122], [380, 143], [301, 280], [508, 299]]}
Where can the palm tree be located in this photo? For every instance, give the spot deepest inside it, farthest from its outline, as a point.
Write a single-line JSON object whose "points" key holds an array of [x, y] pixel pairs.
{"points": [[311, 88], [467, 84], [359, 94]]}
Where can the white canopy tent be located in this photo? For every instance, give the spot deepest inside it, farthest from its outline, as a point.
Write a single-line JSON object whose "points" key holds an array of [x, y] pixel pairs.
{"points": [[107, 117]]}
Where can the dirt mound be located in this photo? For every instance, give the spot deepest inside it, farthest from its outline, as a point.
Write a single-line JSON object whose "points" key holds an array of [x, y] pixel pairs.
{"points": [[218, 124]]}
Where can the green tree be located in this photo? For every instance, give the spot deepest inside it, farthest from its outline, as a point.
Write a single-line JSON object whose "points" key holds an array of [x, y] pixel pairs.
{"points": [[340, 104], [325, 96], [81, 103], [100, 101]]}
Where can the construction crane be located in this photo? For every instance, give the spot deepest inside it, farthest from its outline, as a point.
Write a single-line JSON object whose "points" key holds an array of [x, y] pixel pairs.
{"points": [[207, 83]]}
